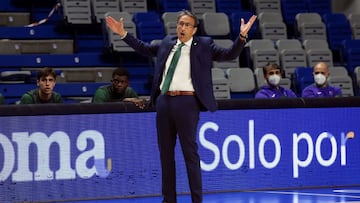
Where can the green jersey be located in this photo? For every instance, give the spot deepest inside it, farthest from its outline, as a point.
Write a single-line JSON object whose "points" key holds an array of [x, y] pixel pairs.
{"points": [[32, 97], [106, 94]]}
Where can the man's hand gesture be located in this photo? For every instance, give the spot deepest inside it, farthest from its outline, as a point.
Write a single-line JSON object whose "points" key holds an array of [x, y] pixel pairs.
{"points": [[245, 27], [116, 26]]}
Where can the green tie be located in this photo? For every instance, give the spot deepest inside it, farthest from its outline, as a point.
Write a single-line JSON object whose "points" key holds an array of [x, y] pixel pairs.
{"points": [[171, 70]]}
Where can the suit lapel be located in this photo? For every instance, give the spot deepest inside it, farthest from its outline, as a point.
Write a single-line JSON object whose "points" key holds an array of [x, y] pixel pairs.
{"points": [[195, 42], [169, 46], [194, 51]]}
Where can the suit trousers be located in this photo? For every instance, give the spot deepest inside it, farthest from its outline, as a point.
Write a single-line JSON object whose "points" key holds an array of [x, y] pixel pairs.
{"points": [[178, 115]]}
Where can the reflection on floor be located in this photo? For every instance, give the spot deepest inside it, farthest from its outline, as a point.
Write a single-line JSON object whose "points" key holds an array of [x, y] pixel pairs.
{"points": [[319, 195]]}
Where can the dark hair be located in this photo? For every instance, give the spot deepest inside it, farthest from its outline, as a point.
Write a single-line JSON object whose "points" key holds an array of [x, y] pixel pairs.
{"points": [[121, 72], [44, 72], [185, 12], [272, 66]]}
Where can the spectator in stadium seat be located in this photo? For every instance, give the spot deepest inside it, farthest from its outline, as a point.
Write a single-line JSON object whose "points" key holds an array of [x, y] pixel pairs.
{"points": [[118, 90], [182, 87], [46, 80], [2, 99], [321, 88], [272, 75]]}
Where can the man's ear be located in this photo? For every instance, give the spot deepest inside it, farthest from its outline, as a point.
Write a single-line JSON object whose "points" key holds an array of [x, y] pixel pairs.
{"points": [[195, 30]]}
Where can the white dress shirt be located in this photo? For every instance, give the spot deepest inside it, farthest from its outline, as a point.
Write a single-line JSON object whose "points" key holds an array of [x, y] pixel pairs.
{"points": [[182, 76]]}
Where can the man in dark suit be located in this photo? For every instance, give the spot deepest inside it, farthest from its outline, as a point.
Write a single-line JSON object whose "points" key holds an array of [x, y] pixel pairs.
{"points": [[191, 90]]}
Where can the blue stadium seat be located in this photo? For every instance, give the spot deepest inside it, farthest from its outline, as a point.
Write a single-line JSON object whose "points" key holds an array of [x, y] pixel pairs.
{"points": [[54, 60], [30, 3], [77, 89], [140, 86], [65, 89], [173, 5], [228, 6], [350, 53], [319, 6], [235, 18], [302, 77], [146, 17], [148, 26], [292, 7], [89, 43], [139, 71], [15, 90], [337, 28], [8, 6], [38, 32]]}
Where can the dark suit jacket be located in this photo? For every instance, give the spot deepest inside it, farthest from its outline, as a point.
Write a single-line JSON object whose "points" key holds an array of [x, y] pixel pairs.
{"points": [[202, 54]]}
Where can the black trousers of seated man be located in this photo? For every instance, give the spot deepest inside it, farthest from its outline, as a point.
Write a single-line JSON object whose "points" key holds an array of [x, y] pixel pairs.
{"points": [[178, 115]]}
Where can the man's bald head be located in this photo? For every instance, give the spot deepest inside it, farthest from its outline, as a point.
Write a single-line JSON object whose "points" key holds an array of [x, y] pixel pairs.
{"points": [[321, 68]]}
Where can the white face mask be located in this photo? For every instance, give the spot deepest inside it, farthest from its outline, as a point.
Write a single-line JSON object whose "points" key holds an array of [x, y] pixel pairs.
{"points": [[320, 79], [274, 79]]}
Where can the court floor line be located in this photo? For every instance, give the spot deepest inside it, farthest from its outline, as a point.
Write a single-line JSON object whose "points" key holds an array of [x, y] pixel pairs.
{"points": [[319, 195], [347, 191], [313, 194]]}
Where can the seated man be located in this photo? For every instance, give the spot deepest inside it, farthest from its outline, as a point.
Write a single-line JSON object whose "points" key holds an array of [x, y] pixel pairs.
{"points": [[46, 80], [118, 90], [272, 75], [321, 88]]}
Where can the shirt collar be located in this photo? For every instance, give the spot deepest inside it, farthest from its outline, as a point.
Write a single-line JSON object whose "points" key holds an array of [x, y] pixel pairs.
{"points": [[187, 43]]}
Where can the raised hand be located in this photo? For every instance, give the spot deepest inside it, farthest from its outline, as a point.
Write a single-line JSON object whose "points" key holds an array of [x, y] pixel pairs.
{"points": [[245, 27], [116, 26]]}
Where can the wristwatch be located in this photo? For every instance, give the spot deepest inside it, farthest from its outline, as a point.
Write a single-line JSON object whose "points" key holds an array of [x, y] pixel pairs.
{"points": [[243, 37]]}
